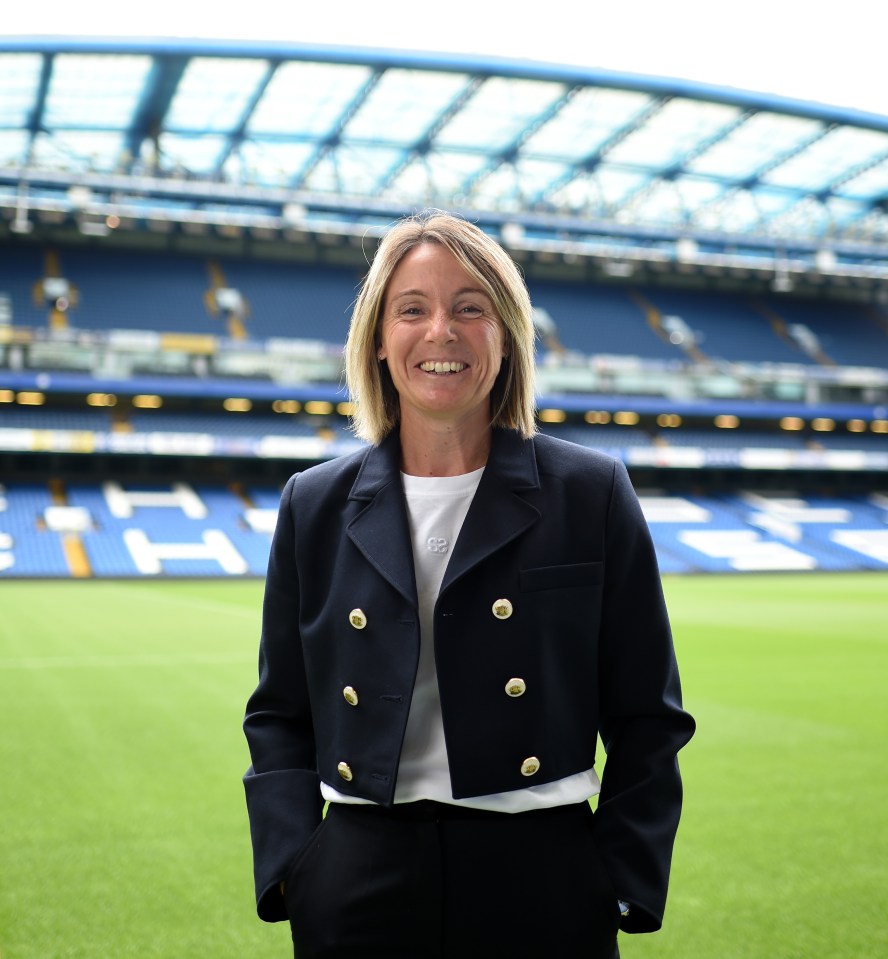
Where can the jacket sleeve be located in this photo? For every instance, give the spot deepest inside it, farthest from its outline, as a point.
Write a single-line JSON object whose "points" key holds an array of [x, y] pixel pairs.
{"points": [[282, 785], [642, 722]]}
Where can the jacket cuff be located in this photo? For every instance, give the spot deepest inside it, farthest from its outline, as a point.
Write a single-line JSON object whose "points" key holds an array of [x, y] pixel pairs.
{"points": [[284, 807]]}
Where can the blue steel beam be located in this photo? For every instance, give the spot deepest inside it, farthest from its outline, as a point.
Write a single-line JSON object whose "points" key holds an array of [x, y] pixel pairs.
{"points": [[160, 88]]}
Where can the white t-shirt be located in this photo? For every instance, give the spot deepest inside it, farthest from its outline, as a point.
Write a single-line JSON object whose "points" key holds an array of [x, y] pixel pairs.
{"points": [[436, 508]]}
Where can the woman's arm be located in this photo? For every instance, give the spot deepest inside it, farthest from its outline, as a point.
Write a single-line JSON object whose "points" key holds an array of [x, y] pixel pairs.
{"points": [[642, 722], [282, 787]]}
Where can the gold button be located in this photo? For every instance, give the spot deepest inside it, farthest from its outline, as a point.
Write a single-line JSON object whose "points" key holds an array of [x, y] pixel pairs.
{"points": [[502, 609], [530, 766], [516, 687], [351, 696], [357, 618], [346, 773]]}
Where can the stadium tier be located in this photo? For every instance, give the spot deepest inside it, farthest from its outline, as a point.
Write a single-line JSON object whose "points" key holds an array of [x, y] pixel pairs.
{"points": [[246, 299], [96, 530]]}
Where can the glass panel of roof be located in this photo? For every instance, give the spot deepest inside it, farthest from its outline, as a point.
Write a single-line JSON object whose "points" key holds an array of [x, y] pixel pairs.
{"points": [[19, 80], [13, 146], [672, 132], [440, 174], [270, 164], [695, 191], [672, 201], [352, 169], [736, 212], [498, 113], [871, 184], [773, 201], [525, 179], [615, 184], [754, 145], [403, 105], [412, 183], [581, 194], [873, 227], [586, 121], [78, 150], [830, 158], [844, 212], [803, 218], [659, 202], [307, 99], [87, 90], [213, 94], [199, 154]]}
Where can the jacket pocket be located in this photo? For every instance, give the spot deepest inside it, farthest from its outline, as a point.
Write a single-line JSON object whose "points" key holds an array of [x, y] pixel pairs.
{"points": [[561, 577], [291, 879]]}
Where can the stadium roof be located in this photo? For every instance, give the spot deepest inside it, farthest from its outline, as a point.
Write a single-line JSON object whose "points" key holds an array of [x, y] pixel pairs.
{"points": [[280, 139]]}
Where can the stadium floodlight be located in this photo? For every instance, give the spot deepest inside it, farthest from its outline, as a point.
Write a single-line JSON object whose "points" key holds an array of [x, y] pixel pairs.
{"points": [[686, 249], [825, 261], [512, 234], [619, 268], [79, 197], [294, 214], [21, 223], [782, 284]]}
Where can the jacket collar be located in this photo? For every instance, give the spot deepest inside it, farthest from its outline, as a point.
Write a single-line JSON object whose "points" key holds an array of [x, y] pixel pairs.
{"points": [[498, 513], [512, 459]]}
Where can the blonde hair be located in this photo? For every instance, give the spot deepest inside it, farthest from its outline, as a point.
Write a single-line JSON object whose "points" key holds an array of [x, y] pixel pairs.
{"points": [[376, 406]]}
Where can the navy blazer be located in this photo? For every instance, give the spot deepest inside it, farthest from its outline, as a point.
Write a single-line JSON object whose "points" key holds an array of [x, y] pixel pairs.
{"points": [[554, 528]]}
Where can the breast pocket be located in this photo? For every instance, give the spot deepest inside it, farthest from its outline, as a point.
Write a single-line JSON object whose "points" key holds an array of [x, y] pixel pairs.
{"points": [[568, 576]]}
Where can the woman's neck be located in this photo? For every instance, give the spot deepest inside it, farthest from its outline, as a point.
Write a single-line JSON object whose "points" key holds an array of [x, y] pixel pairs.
{"points": [[433, 450]]}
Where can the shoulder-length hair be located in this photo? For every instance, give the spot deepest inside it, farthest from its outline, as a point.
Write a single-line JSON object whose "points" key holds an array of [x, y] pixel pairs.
{"points": [[376, 410]]}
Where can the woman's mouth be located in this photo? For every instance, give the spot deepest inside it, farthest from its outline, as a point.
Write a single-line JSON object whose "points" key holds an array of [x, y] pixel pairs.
{"points": [[435, 366]]}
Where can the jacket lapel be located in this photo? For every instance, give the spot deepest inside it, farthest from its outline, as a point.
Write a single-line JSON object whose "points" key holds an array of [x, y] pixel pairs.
{"points": [[498, 513], [380, 530]]}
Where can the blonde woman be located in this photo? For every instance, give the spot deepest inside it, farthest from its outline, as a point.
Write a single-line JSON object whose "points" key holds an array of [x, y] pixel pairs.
{"points": [[452, 617]]}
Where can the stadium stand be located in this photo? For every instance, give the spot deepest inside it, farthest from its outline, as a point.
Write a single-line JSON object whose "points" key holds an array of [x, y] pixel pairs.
{"points": [[171, 336], [150, 529], [728, 327]]}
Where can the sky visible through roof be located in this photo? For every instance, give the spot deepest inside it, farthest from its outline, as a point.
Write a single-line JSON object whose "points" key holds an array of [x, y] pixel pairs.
{"points": [[821, 51]]}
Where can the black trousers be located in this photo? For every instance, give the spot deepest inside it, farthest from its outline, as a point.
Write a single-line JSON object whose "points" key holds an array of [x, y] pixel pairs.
{"points": [[431, 881]]}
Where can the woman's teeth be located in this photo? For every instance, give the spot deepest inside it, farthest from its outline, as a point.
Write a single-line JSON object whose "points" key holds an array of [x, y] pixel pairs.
{"points": [[445, 367]]}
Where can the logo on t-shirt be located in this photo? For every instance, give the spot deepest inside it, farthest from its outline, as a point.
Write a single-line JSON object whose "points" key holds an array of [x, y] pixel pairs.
{"points": [[437, 544]]}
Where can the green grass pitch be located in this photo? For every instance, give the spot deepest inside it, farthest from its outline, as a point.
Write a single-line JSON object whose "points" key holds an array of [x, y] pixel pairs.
{"points": [[124, 833]]}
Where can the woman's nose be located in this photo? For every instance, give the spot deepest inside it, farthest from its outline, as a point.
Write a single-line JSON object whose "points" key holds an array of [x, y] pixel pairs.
{"points": [[440, 326]]}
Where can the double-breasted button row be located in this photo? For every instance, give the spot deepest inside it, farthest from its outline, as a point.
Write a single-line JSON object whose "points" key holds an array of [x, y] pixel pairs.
{"points": [[530, 767], [502, 609]]}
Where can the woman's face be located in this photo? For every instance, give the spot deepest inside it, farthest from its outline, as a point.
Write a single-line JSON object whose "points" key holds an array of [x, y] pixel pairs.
{"points": [[442, 340]]}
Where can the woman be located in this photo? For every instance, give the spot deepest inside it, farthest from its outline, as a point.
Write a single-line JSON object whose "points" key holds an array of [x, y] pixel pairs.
{"points": [[451, 618]]}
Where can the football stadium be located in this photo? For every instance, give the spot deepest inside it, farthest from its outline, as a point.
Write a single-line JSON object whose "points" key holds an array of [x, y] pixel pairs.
{"points": [[184, 226]]}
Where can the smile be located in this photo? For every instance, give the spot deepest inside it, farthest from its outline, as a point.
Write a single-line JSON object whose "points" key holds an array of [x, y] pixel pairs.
{"points": [[445, 367]]}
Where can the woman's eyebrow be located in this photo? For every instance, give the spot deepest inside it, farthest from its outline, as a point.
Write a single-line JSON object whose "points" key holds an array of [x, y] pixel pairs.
{"points": [[460, 292]]}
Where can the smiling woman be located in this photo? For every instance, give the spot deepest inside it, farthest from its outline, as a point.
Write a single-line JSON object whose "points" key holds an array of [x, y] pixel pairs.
{"points": [[428, 269], [451, 618], [444, 346]]}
